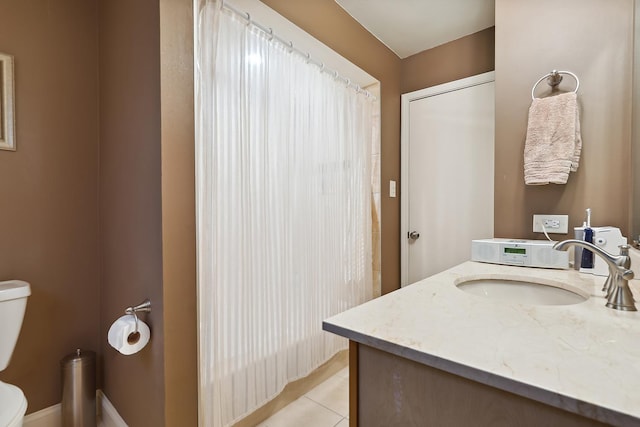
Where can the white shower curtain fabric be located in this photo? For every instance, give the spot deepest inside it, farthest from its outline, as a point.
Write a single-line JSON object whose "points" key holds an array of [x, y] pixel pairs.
{"points": [[283, 153]]}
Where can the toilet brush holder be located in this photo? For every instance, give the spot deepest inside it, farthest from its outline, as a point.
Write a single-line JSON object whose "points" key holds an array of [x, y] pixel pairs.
{"points": [[78, 407]]}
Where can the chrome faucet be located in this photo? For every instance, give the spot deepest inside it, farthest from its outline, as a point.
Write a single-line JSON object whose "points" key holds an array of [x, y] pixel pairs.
{"points": [[616, 287]]}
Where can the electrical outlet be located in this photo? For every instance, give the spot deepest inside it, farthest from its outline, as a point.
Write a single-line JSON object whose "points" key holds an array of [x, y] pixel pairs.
{"points": [[552, 223]]}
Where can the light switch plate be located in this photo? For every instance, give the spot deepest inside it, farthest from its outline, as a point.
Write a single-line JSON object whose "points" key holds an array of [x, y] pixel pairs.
{"points": [[552, 223], [392, 189]]}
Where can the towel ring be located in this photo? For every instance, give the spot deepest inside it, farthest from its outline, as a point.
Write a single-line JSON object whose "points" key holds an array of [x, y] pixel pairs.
{"points": [[553, 79]]}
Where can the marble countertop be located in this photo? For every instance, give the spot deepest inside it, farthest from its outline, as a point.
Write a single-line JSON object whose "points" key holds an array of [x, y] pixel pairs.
{"points": [[584, 358]]}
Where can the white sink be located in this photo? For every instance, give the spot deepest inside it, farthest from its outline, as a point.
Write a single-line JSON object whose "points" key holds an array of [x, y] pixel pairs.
{"points": [[524, 290]]}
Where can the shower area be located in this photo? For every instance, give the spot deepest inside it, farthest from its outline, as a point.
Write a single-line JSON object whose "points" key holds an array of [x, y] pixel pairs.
{"points": [[286, 149]]}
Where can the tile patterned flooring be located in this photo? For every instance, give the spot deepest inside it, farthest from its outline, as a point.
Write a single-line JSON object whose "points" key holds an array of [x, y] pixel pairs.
{"points": [[327, 405]]}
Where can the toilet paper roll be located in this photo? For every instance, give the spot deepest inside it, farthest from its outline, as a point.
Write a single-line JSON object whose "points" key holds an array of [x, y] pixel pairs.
{"points": [[122, 335]]}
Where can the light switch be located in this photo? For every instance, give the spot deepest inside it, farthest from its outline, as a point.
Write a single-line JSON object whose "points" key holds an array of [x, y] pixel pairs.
{"points": [[392, 189]]}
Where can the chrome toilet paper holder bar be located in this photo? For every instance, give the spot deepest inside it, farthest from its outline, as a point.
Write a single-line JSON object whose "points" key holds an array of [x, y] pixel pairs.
{"points": [[144, 306]]}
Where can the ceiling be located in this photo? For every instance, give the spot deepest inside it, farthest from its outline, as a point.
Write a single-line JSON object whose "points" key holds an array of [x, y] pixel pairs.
{"points": [[411, 26]]}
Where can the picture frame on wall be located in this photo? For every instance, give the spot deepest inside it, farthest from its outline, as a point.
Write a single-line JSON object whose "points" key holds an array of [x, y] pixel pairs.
{"points": [[7, 104]]}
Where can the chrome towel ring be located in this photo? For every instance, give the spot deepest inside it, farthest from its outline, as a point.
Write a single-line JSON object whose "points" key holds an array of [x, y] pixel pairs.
{"points": [[553, 79]]}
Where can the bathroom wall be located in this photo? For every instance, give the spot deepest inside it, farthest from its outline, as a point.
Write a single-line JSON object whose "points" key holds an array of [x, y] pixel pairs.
{"points": [[594, 40], [464, 57], [148, 205], [130, 201], [635, 138], [178, 213], [97, 202], [49, 187]]}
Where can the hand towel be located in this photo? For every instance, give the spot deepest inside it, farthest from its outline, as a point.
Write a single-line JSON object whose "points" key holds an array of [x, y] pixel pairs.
{"points": [[553, 145]]}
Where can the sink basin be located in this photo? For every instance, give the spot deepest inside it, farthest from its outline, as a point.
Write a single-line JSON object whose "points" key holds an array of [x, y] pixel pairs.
{"points": [[522, 290]]}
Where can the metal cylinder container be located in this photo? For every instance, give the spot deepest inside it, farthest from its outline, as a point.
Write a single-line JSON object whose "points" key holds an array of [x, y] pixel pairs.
{"points": [[79, 389]]}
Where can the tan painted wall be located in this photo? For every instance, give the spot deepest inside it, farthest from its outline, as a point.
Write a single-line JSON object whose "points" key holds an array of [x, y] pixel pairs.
{"points": [[76, 213], [148, 205], [533, 38], [178, 213], [464, 57], [49, 187], [130, 201], [635, 139]]}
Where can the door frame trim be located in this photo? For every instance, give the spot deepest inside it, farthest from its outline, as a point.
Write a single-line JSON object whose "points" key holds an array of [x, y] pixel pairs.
{"points": [[406, 100]]}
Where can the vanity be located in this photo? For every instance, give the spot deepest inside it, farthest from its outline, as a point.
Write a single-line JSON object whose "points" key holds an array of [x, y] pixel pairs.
{"points": [[435, 354]]}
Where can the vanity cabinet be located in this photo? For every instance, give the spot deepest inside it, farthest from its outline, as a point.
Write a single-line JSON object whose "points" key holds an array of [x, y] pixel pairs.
{"points": [[389, 390]]}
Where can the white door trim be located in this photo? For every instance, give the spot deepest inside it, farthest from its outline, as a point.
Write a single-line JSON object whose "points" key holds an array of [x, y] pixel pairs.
{"points": [[406, 100]]}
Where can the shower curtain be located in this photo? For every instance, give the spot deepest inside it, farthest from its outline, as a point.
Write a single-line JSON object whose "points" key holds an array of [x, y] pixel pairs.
{"points": [[284, 218]]}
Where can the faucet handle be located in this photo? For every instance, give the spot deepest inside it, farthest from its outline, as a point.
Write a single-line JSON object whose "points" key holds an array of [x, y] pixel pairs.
{"points": [[627, 274], [611, 281]]}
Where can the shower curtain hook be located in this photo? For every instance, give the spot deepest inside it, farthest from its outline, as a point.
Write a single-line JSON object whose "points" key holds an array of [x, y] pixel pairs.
{"points": [[290, 47], [248, 18], [270, 34], [322, 67], [308, 58]]}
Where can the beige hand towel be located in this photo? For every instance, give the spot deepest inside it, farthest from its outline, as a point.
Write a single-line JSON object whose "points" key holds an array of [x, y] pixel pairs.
{"points": [[553, 145]]}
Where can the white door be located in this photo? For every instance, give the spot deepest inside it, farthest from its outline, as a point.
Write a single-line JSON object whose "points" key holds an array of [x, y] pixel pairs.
{"points": [[447, 174]]}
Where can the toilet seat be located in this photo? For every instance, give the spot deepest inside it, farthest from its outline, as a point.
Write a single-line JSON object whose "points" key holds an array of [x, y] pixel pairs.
{"points": [[13, 405]]}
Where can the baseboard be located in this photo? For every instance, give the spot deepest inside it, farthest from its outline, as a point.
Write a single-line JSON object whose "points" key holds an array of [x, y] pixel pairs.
{"points": [[107, 416], [47, 417]]}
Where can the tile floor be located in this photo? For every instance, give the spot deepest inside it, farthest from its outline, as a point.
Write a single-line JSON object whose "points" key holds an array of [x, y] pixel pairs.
{"points": [[327, 405]]}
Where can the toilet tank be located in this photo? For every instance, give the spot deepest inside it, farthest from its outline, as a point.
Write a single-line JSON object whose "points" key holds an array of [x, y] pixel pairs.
{"points": [[13, 302]]}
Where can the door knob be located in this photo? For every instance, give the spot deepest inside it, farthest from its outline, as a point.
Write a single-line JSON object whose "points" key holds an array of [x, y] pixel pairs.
{"points": [[414, 235]]}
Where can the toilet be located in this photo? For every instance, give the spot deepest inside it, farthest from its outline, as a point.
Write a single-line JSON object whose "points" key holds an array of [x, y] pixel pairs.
{"points": [[13, 302]]}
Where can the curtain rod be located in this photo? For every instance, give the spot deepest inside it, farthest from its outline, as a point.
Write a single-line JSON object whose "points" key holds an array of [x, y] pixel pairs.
{"points": [[289, 45]]}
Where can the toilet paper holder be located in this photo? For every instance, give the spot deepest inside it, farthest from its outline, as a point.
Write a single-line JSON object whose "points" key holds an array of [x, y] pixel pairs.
{"points": [[144, 306]]}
